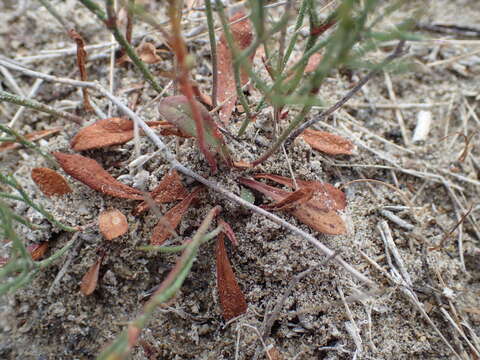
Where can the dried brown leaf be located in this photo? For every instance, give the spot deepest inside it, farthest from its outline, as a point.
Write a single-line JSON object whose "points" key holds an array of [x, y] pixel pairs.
{"points": [[92, 174], [33, 136], [171, 219], [169, 189], [81, 61], [90, 279], [112, 224], [318, 212], [227, 230], [50, 182], [298, 197], [242, 34], [328, 143], [105, 132], [148, 53], [273, 354], [38, 251], [232, 300]]}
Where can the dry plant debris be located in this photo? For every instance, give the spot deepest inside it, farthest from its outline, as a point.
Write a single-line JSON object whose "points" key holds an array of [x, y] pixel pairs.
{"points": [[90, 279], [81, 62], [33, 136], [112, 224], [92, 174], [327, 142], [105, 132], [227, 93], [38, 251], [50, 182], [231, 297], [147, 53]]}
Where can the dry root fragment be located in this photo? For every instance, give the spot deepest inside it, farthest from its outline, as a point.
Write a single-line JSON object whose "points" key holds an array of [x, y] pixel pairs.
{"points": [[92, 174], [90, 279], [169, 189], [50, 182], [231, 297], [328, 143], [168, 223], [112, 224]]}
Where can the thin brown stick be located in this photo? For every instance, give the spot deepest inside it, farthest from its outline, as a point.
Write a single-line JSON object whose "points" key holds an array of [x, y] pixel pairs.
{"points": [[81, 61]]}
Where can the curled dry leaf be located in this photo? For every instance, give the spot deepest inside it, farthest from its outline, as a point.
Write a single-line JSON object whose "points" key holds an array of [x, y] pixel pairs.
{"points": [[112, 224], [146, 51], [169, 189], [298, 197], [105, 132], [92, 174], [176, 110], [319, 212], [328, 143], [168, 222], [227, 93], [38, 251], [90, 279], [50, 182], [232, 300], [33, 136]]}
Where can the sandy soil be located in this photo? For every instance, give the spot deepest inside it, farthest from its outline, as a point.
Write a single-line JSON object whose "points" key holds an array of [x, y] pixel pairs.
{"points": [[329, 314]]}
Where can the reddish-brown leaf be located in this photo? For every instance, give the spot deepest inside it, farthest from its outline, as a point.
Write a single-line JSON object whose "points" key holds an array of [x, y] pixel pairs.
{"points": [[112, 224], [171, 219], [105, 132], [227, 95], [298, 197], [333, 198], [92, 174], [328, 143], [169, 189], [317, 213], [227, 230], [38, 251], [81, 61], [36, 135], [50, 182], [273, 354], [90, 279], [232, 300]]}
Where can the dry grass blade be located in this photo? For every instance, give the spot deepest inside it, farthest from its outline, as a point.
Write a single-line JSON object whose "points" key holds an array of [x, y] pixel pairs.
{"points": [[92, 174], [50, 182], [81, 61], [90, 279], [318, 213], [169, 189], [242, 34], [112, 224], [36, 135], [171, 219], [232, 300], [105, 132], [327, 142]]}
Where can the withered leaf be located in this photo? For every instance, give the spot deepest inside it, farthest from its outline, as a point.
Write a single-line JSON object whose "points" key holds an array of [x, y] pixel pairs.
{"points": [[227, 230], [33, 136], [146, 51], [112, 224], [296, 198], [50, 182], [81, 61], [232, 300], [333, 198], [171, 219], [227, 94], [176, 110], [90, 279], [92, 174], [38, 251], [317, 213], [169, 189], [105, 132], [327, 142]]}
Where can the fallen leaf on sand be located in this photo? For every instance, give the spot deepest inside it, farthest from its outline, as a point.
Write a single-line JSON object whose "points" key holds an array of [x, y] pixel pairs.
{"points": [[171, 219], [50, 182], [319, 212], [92, 174], [38, 251], [227, 93], [90, 279], [327, 142], [112, 224], [169, 189], [232, 300]]}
